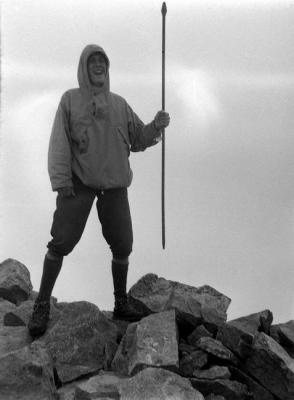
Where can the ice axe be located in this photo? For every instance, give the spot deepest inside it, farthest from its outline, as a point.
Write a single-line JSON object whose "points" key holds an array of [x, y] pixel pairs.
{"points": [[163, 12]]}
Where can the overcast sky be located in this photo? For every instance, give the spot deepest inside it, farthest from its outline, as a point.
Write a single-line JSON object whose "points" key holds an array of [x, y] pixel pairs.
{"points": [[229, 147]]}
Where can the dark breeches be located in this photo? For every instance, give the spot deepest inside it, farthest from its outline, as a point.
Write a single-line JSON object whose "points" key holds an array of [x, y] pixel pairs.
{"points": [[71, 215]]}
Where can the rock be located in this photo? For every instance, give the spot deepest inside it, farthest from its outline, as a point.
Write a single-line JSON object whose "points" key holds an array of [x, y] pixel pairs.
{"points": [[197, 334], [272, 366], [217, 349], [185, 366], [67, 392], [235, 340], [152, 341], [159, 384], [215, 372], [258, 391], [27, 374], [104, 385], [284, 334], [275, 333], [231, 390], [13, 319], [12, 339], [15, 282], [184, 334], [253, 323], [190, 362], [185, 348], [238, 334], [33, 296], [5, 307], [81, 395], [199, 359], [120, 324], [20, 315], [265, 320], [82, 341], [152, 294]]}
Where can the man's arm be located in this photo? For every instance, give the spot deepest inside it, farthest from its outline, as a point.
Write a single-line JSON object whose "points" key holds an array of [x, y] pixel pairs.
{"points": [[143, 136], [59, 154]]}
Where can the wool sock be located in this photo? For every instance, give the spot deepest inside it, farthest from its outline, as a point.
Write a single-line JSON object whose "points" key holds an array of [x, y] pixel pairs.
{"points": [[51, 269], [119, 275]]}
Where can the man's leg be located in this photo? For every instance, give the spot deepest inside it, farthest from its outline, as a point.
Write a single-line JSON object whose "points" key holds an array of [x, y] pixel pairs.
{"points": [[119, 269], [51, 268], [68, 225], [114, 215], [40, 317]]}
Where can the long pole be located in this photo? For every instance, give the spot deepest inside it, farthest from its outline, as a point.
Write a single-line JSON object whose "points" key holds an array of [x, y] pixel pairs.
{"points": [[163, 12]]}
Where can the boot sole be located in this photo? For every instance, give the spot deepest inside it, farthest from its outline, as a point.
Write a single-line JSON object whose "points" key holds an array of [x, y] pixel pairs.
{"points": [[35, 332], [125, 318]]}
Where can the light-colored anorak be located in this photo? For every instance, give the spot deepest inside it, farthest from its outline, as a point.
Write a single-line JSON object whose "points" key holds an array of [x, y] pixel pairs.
{"points": [[93, 133]]}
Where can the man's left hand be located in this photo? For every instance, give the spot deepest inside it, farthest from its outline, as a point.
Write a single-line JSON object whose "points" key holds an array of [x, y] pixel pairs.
{"points": [[161, 120]]}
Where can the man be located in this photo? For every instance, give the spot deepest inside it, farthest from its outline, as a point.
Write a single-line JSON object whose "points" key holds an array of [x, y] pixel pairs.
{"points": [[93, 133]]}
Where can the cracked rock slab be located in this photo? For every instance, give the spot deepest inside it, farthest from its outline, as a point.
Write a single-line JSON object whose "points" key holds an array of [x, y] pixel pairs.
{"points": [[215, 372], [284, 334], [272, 366], [151, 342], [152, 294], [82, 341], [231, 390], [27, 374], [238, 334], [217, 349], [15, 282], [13, 338], [158, 384], [102, 386], [257, 390]]}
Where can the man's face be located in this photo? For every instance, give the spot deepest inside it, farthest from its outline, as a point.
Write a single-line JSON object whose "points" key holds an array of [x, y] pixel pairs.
{"points": [[97, 69]]}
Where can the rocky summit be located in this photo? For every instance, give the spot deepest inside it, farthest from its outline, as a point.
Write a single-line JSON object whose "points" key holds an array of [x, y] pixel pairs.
{"points": [[183, 347]]}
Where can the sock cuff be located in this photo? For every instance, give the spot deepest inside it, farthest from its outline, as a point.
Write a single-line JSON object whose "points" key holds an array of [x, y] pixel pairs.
{"points": [[121, 261]]}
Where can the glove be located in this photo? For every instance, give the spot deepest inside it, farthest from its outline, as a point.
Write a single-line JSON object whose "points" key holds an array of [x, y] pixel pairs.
{"points": [[67, 191], [161, 120]]}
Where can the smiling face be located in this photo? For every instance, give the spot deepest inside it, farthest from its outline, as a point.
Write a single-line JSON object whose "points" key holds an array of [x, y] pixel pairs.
{"points": [[97, 69]]}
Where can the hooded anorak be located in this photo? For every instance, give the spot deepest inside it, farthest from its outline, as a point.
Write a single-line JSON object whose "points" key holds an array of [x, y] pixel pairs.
{"points": [[93, 133]]}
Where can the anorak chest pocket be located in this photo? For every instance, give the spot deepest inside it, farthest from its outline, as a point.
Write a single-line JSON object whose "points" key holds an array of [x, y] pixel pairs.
{"points": [[80, 134], [124, 137]]}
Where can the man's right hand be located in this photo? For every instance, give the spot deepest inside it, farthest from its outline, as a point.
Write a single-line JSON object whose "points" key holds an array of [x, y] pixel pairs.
{"points": [[67, 191]]}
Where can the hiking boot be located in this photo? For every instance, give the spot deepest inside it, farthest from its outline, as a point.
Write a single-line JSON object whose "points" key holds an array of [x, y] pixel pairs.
{"points": [[123, 310], [39, 319]]}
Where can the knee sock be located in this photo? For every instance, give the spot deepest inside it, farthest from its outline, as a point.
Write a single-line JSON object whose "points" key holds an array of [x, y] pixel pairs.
{"points": [[119, 275], [51, 269]]}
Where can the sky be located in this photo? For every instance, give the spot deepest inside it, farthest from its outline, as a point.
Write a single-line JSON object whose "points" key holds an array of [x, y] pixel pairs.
{"points": [[229, 146]]}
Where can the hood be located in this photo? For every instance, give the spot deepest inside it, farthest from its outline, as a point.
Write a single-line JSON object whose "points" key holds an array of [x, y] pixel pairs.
{"points": [[83, 77]]}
